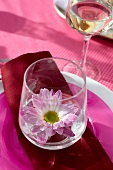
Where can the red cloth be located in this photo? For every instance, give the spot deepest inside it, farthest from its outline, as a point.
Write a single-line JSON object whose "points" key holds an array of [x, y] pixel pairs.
{"points": [[86, 154]]}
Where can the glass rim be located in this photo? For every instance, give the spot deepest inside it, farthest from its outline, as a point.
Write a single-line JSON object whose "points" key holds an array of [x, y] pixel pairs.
{"points": [[109, 5], [56, 58]]}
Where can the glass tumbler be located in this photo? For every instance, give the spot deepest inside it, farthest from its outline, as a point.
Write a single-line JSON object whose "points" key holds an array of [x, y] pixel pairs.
{"points": [[52, 112]]}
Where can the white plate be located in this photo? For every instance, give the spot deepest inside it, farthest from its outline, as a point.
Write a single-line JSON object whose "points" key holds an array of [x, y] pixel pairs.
{"points": [[60, 7], [101, 91]]}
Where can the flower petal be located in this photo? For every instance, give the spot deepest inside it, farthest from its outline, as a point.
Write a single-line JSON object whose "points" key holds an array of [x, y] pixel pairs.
{"points": [[50, 132], [69, 119], [55, 125], [59, 130], [42, 138], [33, 111], [58, 95], [35, 129], [29, 118], [68, 132]]}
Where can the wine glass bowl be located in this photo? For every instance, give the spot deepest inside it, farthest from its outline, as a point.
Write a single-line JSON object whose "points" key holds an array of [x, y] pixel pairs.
{"points": [[52, 112], [89, 18]]}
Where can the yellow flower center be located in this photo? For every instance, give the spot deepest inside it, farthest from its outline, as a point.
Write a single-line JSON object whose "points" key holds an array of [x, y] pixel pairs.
{"points": [[51, 117]]}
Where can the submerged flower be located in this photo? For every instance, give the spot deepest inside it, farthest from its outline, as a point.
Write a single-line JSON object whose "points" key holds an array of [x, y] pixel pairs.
{"points": [[48, 115]]}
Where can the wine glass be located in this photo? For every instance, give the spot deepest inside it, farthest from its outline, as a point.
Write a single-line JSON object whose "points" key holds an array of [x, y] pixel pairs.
{"points": [[52, 112], [89, 17]]}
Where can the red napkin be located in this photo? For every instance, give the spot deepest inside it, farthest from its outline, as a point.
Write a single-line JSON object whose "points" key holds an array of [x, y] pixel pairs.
{"points": [[86, 154]]}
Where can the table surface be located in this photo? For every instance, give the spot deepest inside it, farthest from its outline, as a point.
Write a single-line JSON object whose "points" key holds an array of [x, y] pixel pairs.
{"points": [[33, 25]]}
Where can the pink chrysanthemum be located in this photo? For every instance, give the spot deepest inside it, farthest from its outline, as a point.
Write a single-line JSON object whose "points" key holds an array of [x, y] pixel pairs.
{"points": [[48, 115]]}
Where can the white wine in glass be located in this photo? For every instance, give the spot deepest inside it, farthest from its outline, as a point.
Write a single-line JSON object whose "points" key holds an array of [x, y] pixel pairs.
{"points": [[89, 17]]}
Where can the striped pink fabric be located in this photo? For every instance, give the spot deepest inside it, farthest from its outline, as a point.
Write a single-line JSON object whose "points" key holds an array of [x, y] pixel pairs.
{"points": [[30, 26]]}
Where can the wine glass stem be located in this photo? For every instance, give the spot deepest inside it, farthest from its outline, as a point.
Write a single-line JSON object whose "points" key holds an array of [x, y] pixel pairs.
{"points": [[85, 50]]}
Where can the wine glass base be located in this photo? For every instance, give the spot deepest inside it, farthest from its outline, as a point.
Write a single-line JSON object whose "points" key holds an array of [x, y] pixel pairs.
{"points": [[90, 70]]}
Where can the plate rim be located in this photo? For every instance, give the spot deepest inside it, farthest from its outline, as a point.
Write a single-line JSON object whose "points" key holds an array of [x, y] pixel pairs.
{"points": [[103, 92]]}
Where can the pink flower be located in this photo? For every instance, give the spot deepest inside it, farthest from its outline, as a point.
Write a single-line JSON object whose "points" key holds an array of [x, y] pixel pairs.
{"points": [[48, 115]]}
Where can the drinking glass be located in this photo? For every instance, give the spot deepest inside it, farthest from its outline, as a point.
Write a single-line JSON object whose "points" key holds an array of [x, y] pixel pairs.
{"points": [[52, 112], [89, 17]]}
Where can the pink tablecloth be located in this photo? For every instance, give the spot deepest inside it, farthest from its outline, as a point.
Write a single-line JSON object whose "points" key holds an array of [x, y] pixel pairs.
{"points": [[33, 25]]}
